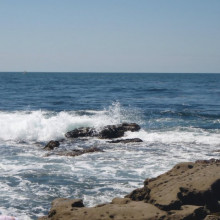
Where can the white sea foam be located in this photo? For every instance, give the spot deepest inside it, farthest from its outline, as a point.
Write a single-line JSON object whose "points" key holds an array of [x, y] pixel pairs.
{"points": [[177, 135], [12, 211], [44, 125], [31, 181]]}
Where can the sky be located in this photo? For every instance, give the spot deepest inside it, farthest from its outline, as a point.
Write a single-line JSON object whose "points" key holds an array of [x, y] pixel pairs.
{"points": [[110, 35]]}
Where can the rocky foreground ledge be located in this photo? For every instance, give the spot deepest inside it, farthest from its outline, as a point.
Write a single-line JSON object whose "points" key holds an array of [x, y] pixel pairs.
{"points": [[188, 191]]}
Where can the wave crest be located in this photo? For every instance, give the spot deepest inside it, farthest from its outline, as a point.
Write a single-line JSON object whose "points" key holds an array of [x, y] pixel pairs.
{"points": [[46, 125]]}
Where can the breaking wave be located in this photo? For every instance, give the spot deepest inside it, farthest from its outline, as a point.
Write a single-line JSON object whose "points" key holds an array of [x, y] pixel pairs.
{"points": [[46, 125]]}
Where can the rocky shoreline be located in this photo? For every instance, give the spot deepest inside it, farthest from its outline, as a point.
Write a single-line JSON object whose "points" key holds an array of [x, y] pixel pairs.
{"points": [[187, 191]]}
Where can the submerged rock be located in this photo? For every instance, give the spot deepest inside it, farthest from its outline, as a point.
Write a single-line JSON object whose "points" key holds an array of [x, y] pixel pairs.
{"points": [[188, 191], [51, 145], [75, 153], [125, 141]]}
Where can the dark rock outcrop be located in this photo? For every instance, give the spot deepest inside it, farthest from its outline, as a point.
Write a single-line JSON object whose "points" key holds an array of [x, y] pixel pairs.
{"points": [[51, 145], [81, 132], [125, 141], [107, 132], [189, 191], [116, 131]]}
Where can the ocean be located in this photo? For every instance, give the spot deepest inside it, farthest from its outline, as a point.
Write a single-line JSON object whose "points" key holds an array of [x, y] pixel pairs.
{"points": [[179, 115]]}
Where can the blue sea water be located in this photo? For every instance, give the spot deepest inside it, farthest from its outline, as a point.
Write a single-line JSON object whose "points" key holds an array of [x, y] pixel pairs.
{"points": [[179, 115]]}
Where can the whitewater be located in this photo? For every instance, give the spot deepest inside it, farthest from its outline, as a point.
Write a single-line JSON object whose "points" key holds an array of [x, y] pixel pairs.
{"points": [[178, 123]]}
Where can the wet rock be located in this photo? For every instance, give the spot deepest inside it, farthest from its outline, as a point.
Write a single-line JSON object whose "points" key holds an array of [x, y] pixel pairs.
{"points": [[125, 141], [81, 132], [108, 132], [75, 153], [51, 145], [81, 152], [130, 127], [116, 131]]}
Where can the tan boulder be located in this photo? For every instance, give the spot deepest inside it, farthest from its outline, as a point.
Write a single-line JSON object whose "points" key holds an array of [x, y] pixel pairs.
{"points": [[186, 184], [189, 191], [119, 209]]}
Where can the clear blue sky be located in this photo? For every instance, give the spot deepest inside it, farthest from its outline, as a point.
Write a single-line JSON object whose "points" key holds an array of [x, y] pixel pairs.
{"points": [[110, 35]]}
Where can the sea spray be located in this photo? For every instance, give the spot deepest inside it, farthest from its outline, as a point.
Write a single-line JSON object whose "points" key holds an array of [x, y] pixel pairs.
{"points": [[46, 125]]}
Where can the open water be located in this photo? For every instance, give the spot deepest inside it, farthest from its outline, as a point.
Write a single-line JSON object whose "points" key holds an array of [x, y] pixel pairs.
{"points": [[179, 115]]}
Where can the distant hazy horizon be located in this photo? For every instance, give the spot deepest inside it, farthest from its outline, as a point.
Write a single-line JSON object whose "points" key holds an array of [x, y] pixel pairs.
{"points": [[72, 72]]}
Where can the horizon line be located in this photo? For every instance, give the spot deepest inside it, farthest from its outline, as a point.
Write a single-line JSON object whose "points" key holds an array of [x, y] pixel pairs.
{"points": [[106, 72]]}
